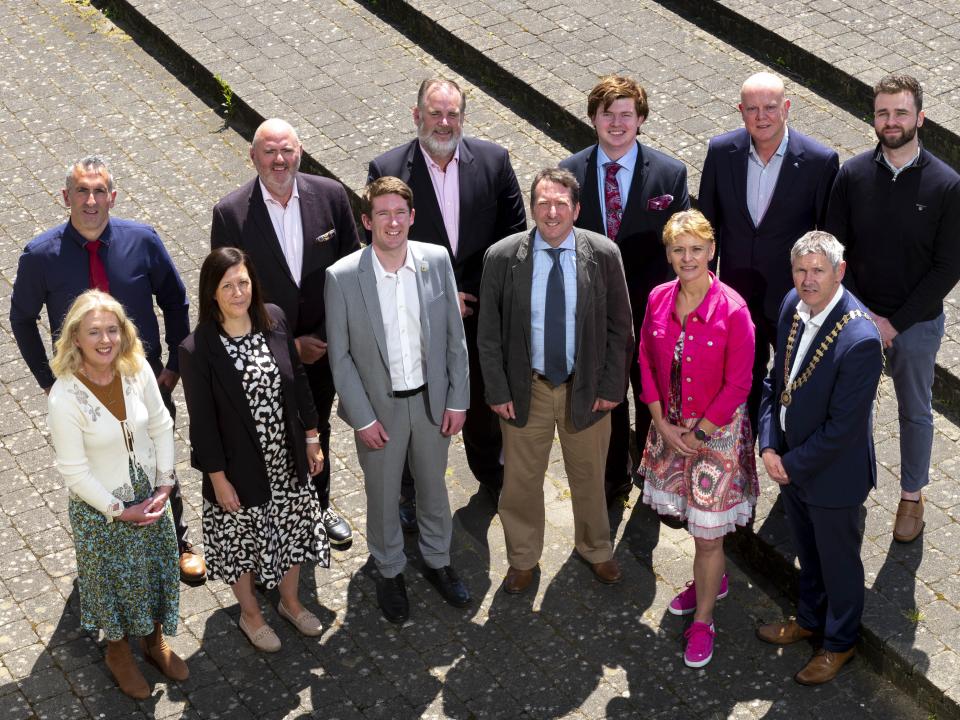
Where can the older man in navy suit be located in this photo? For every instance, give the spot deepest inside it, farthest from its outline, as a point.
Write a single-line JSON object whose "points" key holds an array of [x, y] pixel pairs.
{"points": [[629, 191], [763, 186], [816, 441]]}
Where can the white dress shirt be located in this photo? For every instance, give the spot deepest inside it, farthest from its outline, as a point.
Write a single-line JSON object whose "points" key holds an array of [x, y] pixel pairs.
{"points": [[288, 227], [400, 310]]}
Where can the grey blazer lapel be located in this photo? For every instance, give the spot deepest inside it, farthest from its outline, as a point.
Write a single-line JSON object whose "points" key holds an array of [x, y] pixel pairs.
{"points": [[421, 266], [522, 271], [368, 290]]}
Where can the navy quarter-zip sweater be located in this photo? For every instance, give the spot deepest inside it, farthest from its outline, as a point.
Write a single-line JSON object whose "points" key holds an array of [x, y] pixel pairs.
{"points": [[901, 234]]}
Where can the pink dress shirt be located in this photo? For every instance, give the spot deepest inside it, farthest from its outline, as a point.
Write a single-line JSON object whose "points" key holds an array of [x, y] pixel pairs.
{"points": [[717, 352]]}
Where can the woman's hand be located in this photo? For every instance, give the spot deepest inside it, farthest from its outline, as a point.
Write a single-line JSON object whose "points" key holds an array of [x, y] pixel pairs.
{"points": [[143, 513], [158, 501], [225, 492], [314, 458], [690, 440], [673, 436]]}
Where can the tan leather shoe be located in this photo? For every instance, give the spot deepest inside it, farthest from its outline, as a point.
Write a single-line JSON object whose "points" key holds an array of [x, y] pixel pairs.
{"points": [[823, 667], [161, 656], [517, 581], [125, 671], [607, 572], [783, 633], [909, 523], [192, 567]]}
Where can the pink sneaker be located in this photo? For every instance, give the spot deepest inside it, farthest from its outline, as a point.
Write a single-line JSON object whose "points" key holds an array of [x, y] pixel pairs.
{"points": [[699, 644], [685, 603]]}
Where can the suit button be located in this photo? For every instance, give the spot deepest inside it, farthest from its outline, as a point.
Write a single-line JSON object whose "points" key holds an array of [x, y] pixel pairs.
{"points": [[709, 343], [689, 359], [694, 319], [654, 333], [689, 379], [689, 337], [690, 398]]}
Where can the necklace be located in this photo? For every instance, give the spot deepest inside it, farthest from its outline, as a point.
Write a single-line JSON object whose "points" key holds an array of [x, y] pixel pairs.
{"points": [[786, 397]]}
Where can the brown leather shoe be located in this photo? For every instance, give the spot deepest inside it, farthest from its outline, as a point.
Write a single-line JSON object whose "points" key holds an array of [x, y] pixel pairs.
{"points": [[161, 656], [823, 667], [517, 581], [783, 633], [192, 567], [909, 523], [607, 572], [125, 671]]}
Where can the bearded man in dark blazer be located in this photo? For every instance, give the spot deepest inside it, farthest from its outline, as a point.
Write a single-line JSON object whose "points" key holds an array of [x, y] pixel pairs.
{"points": [[293, 226], [467, 198], [629, 191]]}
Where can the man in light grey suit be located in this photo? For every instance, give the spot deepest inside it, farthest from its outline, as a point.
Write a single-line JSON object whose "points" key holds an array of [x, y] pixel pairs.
{"points": [[399, 360]]}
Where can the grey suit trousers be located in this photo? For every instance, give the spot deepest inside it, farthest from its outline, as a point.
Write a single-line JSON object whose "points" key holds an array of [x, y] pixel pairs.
{"points": [[412, 435]]}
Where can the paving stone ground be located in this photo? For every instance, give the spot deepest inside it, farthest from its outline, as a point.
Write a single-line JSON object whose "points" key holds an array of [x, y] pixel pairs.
{"points": [[73, 84]]}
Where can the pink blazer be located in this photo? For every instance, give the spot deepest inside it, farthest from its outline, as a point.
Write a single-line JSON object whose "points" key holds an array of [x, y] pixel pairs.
{"points": [[717, 352]]}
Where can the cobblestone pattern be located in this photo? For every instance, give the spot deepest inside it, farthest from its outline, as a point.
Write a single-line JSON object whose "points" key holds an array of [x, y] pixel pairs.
{"points": [[73, 84]]}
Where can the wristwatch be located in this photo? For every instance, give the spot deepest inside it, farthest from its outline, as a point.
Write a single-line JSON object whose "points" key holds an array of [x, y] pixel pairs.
{"points": [[699, 434]]}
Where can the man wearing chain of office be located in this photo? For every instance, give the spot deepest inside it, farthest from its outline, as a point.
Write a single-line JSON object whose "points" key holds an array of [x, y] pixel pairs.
{"points": [[816, 441]]}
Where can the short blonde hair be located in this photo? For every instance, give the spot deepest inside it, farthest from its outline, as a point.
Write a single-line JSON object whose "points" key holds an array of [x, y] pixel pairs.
{"points": [[68, 359], [687, 222]]}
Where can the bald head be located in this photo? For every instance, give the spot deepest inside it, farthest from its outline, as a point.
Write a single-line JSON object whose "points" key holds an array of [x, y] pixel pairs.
{"points": [[275, 152], [764, 109]]}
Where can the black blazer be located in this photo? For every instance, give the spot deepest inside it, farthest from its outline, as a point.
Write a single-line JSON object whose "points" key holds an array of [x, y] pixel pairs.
{"points": [[755, 260], [491, 205], [223, 436], [641, 229], [241, 220]]}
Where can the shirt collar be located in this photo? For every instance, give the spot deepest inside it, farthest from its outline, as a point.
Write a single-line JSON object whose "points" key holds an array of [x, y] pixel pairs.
{"points": [[268, 198], [72, 233], [455, 160], [803, 310], [882, 159], [628, 162], [781, 149], [569, 242], [381, 273]]}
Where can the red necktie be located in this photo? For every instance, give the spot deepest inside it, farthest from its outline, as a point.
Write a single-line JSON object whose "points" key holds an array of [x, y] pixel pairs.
{"points": [[98, 273], [611, 197]]}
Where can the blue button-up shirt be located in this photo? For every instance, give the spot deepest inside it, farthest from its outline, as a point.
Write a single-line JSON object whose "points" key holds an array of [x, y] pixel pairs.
{"points": [[55, 268], [542, 263], [762, 179]]}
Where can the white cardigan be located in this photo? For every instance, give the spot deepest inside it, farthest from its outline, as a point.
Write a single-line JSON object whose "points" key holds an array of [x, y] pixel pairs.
{"points": [[89, 441]]}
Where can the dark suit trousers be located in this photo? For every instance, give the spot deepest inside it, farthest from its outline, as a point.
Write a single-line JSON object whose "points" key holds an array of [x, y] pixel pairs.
{"points": [[765, 337], [481, 429], [321, 384], [827, 541]]}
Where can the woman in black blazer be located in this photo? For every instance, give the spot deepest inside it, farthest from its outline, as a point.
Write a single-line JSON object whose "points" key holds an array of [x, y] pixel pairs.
{"points": [[253, 432]]}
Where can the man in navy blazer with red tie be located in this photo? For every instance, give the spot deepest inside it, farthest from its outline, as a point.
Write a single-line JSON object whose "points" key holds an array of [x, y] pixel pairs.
{"points": [[762, 187], [630, 204]]}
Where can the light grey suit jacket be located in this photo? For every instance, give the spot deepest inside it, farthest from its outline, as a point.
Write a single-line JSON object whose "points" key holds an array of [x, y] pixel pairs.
{"points": [[357, 346]]}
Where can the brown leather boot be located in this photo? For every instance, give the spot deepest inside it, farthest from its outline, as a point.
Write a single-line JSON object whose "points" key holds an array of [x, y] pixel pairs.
{"points": [[159, 654], [125, 671]]}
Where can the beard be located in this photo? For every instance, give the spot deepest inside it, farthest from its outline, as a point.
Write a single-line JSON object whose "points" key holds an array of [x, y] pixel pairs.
{"points": [[892, 143], [437, 147]]}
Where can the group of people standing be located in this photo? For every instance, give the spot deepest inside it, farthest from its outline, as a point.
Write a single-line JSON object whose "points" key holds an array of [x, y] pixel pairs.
{"points": [[465, 320]]}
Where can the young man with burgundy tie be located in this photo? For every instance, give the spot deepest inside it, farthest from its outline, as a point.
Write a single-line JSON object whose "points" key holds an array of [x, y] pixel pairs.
{"points": [[126, 259], [629, 192]]}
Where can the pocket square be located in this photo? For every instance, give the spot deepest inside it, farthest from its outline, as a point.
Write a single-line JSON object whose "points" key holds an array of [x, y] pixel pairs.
{"points": [[659, 203], [327, 236]]}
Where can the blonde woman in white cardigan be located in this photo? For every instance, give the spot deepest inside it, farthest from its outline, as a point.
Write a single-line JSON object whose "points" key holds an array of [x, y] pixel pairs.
{"points": [[113, 439]]}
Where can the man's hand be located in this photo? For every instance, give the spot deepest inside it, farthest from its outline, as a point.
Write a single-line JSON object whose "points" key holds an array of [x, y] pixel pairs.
{"points": [[601, 405], [167, 380], [505, 410], [374, 437], [887, 331], [774, 466], [464, 298], [452, 422], [310, 348]]}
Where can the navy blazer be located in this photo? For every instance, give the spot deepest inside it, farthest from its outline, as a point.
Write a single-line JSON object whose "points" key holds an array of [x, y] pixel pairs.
{"points": [[827, 449], [223, 434], [241, 220], [755, 260], [491, 205], [641, 230]]}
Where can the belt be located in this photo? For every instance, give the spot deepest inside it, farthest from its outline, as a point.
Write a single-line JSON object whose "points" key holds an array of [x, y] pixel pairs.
{"points": [[400, 394], [541, 376]]}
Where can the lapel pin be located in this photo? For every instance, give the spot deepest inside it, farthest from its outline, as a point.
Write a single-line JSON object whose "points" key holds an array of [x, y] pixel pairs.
{"points": [[796, 164], [423, 266]]}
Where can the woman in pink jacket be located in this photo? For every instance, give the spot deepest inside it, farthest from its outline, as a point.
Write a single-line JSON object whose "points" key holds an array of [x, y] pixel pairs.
{"points": [[696, 356]]}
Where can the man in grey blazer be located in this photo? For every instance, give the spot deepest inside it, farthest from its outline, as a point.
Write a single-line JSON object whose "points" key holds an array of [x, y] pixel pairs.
{"points": [[555, 338], [399, 361]]}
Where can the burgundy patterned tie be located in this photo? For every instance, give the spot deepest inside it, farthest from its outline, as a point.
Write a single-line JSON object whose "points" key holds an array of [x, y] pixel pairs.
{"points": [[98, 273], [611, 197]]}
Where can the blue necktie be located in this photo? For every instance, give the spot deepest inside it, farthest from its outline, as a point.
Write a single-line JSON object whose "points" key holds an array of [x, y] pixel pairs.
{"points": [[555, 324]]}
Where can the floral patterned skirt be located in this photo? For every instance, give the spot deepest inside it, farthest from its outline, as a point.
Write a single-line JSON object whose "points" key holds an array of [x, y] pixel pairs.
{"points": [[714, 490], [128, 575]]}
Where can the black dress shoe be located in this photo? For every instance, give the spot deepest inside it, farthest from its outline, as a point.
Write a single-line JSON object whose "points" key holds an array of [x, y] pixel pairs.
{"points": [[449, 585], [392, 598], [408, 516], [338, 529]]}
